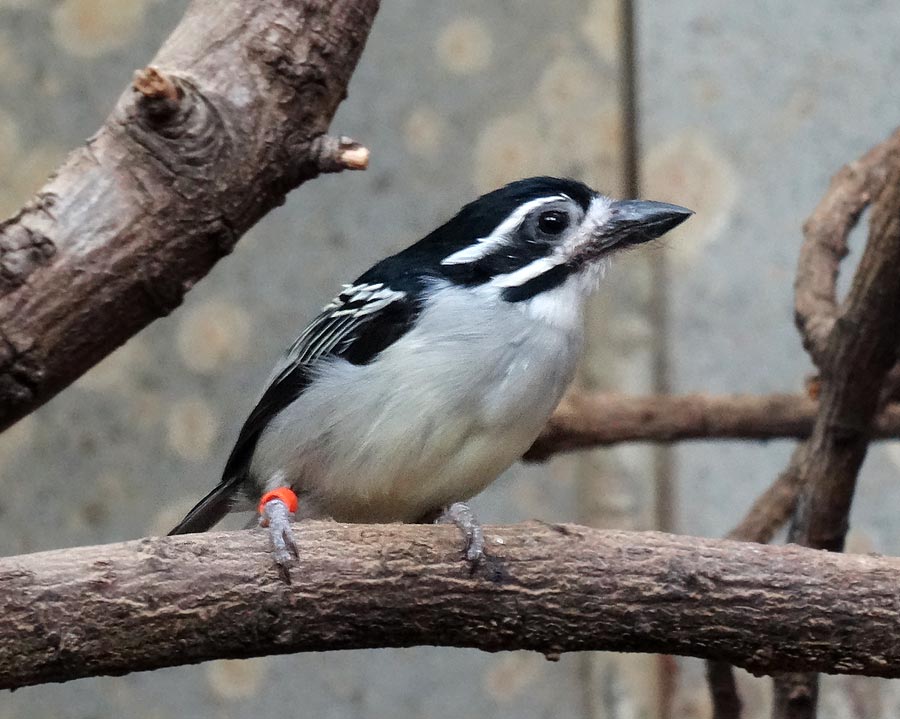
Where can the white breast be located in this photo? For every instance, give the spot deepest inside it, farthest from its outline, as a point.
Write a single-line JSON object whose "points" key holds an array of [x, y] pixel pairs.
{"points": [[436, 418]]}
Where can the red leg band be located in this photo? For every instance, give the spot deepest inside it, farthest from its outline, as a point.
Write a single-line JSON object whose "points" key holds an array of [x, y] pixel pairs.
{"points": [[285, 494]]}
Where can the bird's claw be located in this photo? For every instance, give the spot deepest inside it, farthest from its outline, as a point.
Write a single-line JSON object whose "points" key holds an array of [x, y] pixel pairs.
{"points": [[276, 518], [460, 514], [283, 547]]}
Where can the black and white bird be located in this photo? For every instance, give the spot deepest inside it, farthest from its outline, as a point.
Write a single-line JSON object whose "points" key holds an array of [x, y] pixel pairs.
{"points": [[434, 371]]}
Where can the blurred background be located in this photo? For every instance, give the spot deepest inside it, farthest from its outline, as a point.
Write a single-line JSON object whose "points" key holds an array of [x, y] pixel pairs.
{"points": [[741, 111]]}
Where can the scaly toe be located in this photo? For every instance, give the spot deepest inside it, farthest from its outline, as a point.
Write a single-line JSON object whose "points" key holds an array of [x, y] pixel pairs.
{"points": [[460, 514], [475, 545]]}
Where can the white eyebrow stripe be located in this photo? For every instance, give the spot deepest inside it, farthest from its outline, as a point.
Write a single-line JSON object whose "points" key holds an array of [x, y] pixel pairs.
{"points": [[485, 245]]}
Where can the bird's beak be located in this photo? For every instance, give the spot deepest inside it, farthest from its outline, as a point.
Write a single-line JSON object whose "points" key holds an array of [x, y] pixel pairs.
{"points": [[631, 222]]}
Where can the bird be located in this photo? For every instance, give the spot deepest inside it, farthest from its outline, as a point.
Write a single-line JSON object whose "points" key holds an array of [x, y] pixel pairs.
{"points": [[435, 370]]}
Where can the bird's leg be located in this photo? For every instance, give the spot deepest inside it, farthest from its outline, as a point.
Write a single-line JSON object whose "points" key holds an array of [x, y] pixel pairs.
{"points": [[276, 510], [460, 514]]}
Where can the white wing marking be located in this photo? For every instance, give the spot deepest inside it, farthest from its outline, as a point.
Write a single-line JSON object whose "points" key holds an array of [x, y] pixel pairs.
{"points": [[336, 323]]}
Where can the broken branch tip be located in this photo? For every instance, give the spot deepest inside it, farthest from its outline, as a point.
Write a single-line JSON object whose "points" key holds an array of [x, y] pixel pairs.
{"points": [[355, 158], [153, 84]]}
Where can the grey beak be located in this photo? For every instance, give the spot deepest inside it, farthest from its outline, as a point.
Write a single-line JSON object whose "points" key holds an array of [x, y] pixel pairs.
{"points": [[634, 221]]}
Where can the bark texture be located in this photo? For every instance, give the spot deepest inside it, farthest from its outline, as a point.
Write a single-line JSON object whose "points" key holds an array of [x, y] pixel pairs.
{"points": [[591, 420], [229, 118], [551, 588], [859, 354]]}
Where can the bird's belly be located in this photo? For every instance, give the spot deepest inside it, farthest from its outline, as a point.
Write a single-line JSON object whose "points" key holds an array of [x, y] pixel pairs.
{"points": [[403, 478], [420, 427]]}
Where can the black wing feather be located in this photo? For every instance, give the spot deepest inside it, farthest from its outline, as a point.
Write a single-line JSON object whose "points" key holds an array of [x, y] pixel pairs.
{"points": [[344, 329]]}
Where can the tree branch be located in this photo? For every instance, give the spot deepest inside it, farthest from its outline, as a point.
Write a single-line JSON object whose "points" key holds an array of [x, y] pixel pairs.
{"points": [[855, 348], [861, 350], [551, 588], [230, 117], [855, 360], [591, 420], [824, 245]]}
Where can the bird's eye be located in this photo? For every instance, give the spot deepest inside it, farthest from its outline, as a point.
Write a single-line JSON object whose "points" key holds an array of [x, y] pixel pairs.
{"points": [[553, 222]]}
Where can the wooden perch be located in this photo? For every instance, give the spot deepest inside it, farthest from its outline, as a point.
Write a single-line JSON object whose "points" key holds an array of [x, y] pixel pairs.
{"points": [[551, 588], [230, 116]]}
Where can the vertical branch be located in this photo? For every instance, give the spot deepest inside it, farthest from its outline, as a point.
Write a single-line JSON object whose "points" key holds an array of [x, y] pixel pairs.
{"points": [[856, 359], [726, 702], [860, 352], [855, 348], [796, 696]]}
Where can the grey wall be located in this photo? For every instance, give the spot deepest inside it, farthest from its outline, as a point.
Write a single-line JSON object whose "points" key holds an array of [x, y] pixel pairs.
{"points": [[745, 110]]}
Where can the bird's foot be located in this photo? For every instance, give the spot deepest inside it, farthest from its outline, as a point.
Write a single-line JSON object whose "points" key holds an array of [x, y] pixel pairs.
{"points": [[460, 514], [276, 512]]}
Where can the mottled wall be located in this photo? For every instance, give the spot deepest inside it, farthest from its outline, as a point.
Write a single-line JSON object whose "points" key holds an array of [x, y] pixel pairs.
{"points": [[745, 110]]}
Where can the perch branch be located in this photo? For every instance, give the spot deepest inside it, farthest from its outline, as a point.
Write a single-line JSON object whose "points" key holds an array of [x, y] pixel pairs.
{"points": [[161, 602], [230, 116], [592, 420]]}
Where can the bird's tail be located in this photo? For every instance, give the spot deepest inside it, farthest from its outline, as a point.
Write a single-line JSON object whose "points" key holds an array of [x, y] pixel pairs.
{"points": [[209, 510]]}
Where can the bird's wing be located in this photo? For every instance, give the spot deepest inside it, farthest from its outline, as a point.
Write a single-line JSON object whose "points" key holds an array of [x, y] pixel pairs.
{"points": [[362, 321]]}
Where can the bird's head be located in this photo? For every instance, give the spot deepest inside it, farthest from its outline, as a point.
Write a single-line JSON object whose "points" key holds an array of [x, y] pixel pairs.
{"points": [[540, 234]]}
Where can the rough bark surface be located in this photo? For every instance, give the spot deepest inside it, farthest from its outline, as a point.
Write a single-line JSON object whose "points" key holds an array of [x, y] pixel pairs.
{"points": [[551, 588], [231, 116], [859, 354], [769, 513]]}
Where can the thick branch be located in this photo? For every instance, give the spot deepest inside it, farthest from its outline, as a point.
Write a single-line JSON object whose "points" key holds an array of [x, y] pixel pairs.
{"points": [[860, 352], [855, 360], [593, 420], [855, 348], [551, 588], [230, 117]]}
